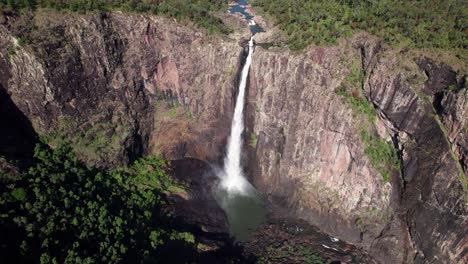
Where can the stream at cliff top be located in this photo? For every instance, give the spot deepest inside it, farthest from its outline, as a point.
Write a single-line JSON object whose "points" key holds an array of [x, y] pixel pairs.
{"points": [[240, 8]]}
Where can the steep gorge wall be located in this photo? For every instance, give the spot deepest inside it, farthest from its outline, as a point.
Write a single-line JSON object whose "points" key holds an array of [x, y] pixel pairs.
{"points": [[310, 157], [309, 153], [433, 198], [120, 85]]}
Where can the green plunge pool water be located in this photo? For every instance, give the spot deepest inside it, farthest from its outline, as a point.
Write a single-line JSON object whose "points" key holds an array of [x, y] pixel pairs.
{"points": [[245, 212]]}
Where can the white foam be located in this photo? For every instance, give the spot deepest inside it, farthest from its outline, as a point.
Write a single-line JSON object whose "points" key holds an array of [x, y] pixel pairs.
{"points": [[332, 248]]}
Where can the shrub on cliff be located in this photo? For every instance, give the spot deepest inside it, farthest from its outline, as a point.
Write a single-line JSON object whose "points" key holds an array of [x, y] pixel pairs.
{"points": [[63, 212], [382, 154]]}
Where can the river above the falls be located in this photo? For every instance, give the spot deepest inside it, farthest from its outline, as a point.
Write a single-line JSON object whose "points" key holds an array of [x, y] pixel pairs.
{"points": [[240, 7]]}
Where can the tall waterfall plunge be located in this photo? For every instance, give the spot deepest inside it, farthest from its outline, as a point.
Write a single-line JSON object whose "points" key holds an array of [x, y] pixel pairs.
{"points": [[233, 179], [242, 203]]}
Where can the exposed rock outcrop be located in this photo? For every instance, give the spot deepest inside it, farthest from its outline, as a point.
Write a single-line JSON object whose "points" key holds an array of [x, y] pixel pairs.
{"points": [[433, 179], [94, 77], [309, 154], [310, 158]]}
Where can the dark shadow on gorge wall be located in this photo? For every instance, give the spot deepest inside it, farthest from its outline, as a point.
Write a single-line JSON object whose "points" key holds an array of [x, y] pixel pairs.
{"points": [[17, 136]]}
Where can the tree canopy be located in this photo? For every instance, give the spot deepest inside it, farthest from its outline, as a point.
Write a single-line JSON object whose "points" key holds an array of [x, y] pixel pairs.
{"points": [[61, 211], [201, 12], [421, 24]]}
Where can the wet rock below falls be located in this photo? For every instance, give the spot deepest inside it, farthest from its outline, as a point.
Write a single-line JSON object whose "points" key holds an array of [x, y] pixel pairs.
{"points": [[284, 240]]}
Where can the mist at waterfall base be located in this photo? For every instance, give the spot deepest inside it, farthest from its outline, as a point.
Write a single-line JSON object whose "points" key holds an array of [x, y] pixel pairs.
{"points": [[242, 203]]}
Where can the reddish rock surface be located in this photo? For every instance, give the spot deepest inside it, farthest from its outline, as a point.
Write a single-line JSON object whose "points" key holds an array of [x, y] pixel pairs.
{"points": [[310, 158]]}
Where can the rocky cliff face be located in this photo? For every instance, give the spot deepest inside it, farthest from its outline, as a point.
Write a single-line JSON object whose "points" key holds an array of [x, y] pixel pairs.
{"points": [[141, 81], [309, 154], [432, 172], [119, 85], [310, 157]]}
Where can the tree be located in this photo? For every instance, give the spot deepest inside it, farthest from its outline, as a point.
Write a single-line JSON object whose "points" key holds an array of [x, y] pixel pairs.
{"points": [[62, 211]]}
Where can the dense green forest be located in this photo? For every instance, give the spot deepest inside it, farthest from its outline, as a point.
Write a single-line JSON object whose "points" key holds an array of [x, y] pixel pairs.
{"points": [[60, 211], [411, 23], [201, 12]]}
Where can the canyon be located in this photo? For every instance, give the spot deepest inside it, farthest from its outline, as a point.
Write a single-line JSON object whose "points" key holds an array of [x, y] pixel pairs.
{"points": [[119, 86]]}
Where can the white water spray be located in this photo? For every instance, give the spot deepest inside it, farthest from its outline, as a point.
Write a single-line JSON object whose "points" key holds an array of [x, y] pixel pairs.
{"points": [[233, 179]]}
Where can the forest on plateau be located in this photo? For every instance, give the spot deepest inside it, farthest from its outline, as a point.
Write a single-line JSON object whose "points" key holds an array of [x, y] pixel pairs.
{"points": [[201, 12], [419, 24], [60, 211]]}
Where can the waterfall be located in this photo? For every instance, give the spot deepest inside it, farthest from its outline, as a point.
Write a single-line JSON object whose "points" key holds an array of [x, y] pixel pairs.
{"points": [[233, 179], [242, 203]]}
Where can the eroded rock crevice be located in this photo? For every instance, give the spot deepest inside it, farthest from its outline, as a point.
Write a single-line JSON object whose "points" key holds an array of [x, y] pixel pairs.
{"points": [[427, 163]]}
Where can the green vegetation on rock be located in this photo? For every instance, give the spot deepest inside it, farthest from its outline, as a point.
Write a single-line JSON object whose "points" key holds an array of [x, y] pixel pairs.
{"points": [[94, 142], [421, 24], [173, 111], [382, 154], [359, 104], [351, 90], [288, 252], [60, 211], [11, 52], [201, 12], [253, 140]]}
